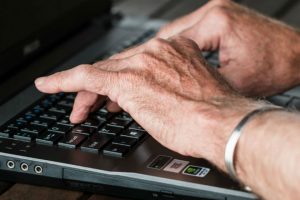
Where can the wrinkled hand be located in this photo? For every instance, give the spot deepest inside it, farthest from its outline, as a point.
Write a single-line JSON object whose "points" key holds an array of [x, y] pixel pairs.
{"points": [[259, 56], [167, 88]]}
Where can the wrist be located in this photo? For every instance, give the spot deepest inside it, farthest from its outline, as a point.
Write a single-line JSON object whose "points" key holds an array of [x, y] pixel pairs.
{"points": [[220, 122], [268, 152]]}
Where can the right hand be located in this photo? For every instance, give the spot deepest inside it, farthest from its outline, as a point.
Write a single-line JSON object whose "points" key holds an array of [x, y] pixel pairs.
{"points": [[258, 56], [167, 88]]}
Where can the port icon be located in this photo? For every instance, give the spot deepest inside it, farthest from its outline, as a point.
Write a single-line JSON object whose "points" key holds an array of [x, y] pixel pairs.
{"points": [[10, 164], [38, 169], [24, 167]]}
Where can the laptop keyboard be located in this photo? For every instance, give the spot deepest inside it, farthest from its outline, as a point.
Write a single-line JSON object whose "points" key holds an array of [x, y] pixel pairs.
{"points": [[47, 123]]}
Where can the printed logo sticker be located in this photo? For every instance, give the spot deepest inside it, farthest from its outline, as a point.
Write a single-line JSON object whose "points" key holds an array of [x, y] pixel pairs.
{"points": [[176, 166], [192, 170]]}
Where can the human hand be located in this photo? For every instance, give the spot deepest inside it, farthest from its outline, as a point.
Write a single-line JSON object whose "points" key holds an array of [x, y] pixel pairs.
{"points": [[168, 89], [258, 56]]}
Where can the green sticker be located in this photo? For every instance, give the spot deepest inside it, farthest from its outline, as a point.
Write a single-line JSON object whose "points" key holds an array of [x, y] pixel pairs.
{"points": [[192, 170], [196, 171]]}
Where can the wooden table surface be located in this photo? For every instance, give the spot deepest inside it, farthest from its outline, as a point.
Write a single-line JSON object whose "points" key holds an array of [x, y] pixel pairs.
{"points": [[164, 9], [11, 191]]}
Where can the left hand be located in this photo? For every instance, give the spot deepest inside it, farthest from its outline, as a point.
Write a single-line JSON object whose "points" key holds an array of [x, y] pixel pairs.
{"points": [[258, 56], [167, 88]]}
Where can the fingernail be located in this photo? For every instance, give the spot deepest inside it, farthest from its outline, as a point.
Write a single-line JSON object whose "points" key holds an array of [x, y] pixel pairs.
{"points": [[39, 81]]}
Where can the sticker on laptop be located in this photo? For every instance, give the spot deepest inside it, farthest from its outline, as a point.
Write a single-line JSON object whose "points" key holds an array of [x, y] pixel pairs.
{"points": [[198, 171], [176, 166], [159, 162]]}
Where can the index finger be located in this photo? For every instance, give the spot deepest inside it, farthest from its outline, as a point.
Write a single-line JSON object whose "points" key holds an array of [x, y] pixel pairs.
{"points": [[83, 77]]}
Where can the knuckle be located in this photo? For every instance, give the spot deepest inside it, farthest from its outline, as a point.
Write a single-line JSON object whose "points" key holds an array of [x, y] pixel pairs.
{"points": [[125, 80], [83, 69], [157, 43], [83, 73], [219, 12], [221, 2], [145, 59], [221, 15], [59, 79]]}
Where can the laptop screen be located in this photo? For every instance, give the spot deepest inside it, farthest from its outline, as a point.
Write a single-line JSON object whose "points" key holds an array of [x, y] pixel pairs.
{"points": [[21, 19], [28, 27]]}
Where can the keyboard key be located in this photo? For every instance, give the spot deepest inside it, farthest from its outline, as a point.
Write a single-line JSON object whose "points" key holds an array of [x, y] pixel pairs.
{"points": [[94, 122], [83, 130], [54, 97], [119, 123], [60, 128], [103, 110], [125, 141], [60, 109], [205, 54], [66, 103], [31, 113], [7, 132], [213, 59], [124, 116], [110, 130], [52, 115], [115, 150], [37, 110], [104, 116], [26, 136], [66, 121], [42, 122], [26, 118], [295, 103], [137, 134], [95, 143], [48, 137], [70, 96], [280, 100], [136, 126], [46, 104], [71, 140], [16, 124], [32, 128]]}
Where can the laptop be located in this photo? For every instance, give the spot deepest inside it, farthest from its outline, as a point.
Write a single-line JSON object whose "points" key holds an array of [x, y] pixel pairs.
{"points": [[109, 153]]}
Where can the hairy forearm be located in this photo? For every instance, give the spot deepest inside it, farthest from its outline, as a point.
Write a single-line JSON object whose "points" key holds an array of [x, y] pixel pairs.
{"points": [[268, 155]]}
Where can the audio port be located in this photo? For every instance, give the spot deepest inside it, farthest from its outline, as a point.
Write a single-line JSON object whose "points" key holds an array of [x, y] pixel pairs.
{"points": [[24, 167], [10, 164], [38, 169]]}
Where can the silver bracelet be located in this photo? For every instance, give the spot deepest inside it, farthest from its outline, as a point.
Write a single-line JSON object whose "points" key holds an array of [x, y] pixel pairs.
{"points": [[234, 138]]}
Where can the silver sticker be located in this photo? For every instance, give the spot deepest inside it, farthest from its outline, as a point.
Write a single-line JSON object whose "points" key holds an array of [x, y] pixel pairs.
{"points": [[176, 165]]}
